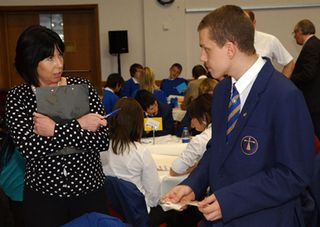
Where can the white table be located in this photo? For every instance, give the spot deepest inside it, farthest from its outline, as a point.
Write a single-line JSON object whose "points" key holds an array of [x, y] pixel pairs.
{"points": [[165, 145], [163, 163], [164, 151]]}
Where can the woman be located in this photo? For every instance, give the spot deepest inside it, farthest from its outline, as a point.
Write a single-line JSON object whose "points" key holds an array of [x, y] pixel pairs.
{"points": [[200, 114], [147, 82], [58, 188]]}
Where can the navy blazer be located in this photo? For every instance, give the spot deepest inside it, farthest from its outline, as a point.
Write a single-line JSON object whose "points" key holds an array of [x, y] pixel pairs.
{"points": [[258, 176], [164, 111]]}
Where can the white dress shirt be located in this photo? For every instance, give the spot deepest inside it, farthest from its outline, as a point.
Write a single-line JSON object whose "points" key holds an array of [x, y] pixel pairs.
{"points": [[193, 152], [246, 81], [137, 166]]}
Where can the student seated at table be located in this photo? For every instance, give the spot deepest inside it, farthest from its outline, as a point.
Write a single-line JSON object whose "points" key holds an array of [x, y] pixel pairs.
{"points": [[131, 85], [112, 87], [169, 86], [200, 113], [206, 87], [127, 158], [199, 73], [152, 108], [147, 82]]}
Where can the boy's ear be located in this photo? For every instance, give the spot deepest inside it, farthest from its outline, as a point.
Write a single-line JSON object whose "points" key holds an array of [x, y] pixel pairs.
{"points": [[231, 49]]}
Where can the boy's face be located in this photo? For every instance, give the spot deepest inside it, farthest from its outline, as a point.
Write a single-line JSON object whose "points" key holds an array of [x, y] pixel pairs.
{"points": [[138, 74], [217, 59], [174, 72], [153, 109]]}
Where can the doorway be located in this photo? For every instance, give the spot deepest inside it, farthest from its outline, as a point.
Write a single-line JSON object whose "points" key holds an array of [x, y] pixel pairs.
{"points": [[81, 37]]}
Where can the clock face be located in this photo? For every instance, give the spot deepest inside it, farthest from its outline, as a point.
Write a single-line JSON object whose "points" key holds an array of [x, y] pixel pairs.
{"points": [[164, 2]]}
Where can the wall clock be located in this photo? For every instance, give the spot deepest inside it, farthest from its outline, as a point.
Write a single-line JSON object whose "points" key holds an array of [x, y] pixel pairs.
{"points": [[165, 2]]}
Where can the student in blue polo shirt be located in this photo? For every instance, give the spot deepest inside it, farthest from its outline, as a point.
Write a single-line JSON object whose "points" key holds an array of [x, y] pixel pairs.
{"points": [[110, 91], [131, 85], [169, 86]]}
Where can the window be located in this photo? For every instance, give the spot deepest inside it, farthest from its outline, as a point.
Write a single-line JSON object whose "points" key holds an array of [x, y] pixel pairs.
{"points": [[53, 22]]}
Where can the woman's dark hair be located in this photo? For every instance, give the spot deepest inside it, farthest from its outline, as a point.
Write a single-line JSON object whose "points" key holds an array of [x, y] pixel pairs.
{"points": [[200, 108], [145, 98], [113, 80], [127, 125], [35, 44]]}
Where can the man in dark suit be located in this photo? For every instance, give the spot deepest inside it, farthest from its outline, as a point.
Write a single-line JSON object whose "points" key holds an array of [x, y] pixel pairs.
{"points": [[257, 167], [306, 74], [152, 108]]}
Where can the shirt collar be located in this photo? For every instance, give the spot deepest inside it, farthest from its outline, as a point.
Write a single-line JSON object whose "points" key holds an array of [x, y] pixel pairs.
{"points": [[308, 38], [135, 80], [249, 76], [202, 77], [108, 89]]}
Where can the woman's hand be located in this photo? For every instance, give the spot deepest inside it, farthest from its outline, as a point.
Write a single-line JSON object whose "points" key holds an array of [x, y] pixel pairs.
{"points": [[43, 125], [91, 122]]}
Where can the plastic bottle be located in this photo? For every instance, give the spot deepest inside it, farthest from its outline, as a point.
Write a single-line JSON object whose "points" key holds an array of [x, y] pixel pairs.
{"points": [[185, 136]]}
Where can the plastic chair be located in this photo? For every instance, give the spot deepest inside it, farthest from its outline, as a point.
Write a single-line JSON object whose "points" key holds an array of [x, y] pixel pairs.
{"points": [[126, 199], [95, 219]]}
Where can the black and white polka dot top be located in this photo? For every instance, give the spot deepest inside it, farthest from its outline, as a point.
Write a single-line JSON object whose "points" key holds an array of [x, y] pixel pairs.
{"points": [[61, 175]]}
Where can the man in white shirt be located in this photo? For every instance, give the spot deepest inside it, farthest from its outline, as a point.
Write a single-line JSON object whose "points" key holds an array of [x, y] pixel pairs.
{"points": [[270, 46]]}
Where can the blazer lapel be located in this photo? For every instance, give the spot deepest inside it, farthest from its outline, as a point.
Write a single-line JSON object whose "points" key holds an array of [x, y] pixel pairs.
{"points": [[255, 93]]}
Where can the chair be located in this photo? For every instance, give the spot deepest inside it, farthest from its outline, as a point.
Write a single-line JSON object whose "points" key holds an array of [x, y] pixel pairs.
{"points": [[95, 219], [126, 199]]}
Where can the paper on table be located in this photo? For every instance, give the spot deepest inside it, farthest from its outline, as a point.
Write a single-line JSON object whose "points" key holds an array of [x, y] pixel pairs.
{"points": [[181, 87]]}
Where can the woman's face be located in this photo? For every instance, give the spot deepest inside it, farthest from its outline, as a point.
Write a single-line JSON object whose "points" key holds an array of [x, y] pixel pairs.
{"points": [[200, 127], [50, 70]]}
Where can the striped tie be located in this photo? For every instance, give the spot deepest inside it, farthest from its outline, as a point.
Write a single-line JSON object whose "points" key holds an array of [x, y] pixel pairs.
{"points": [[233, 111]]}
